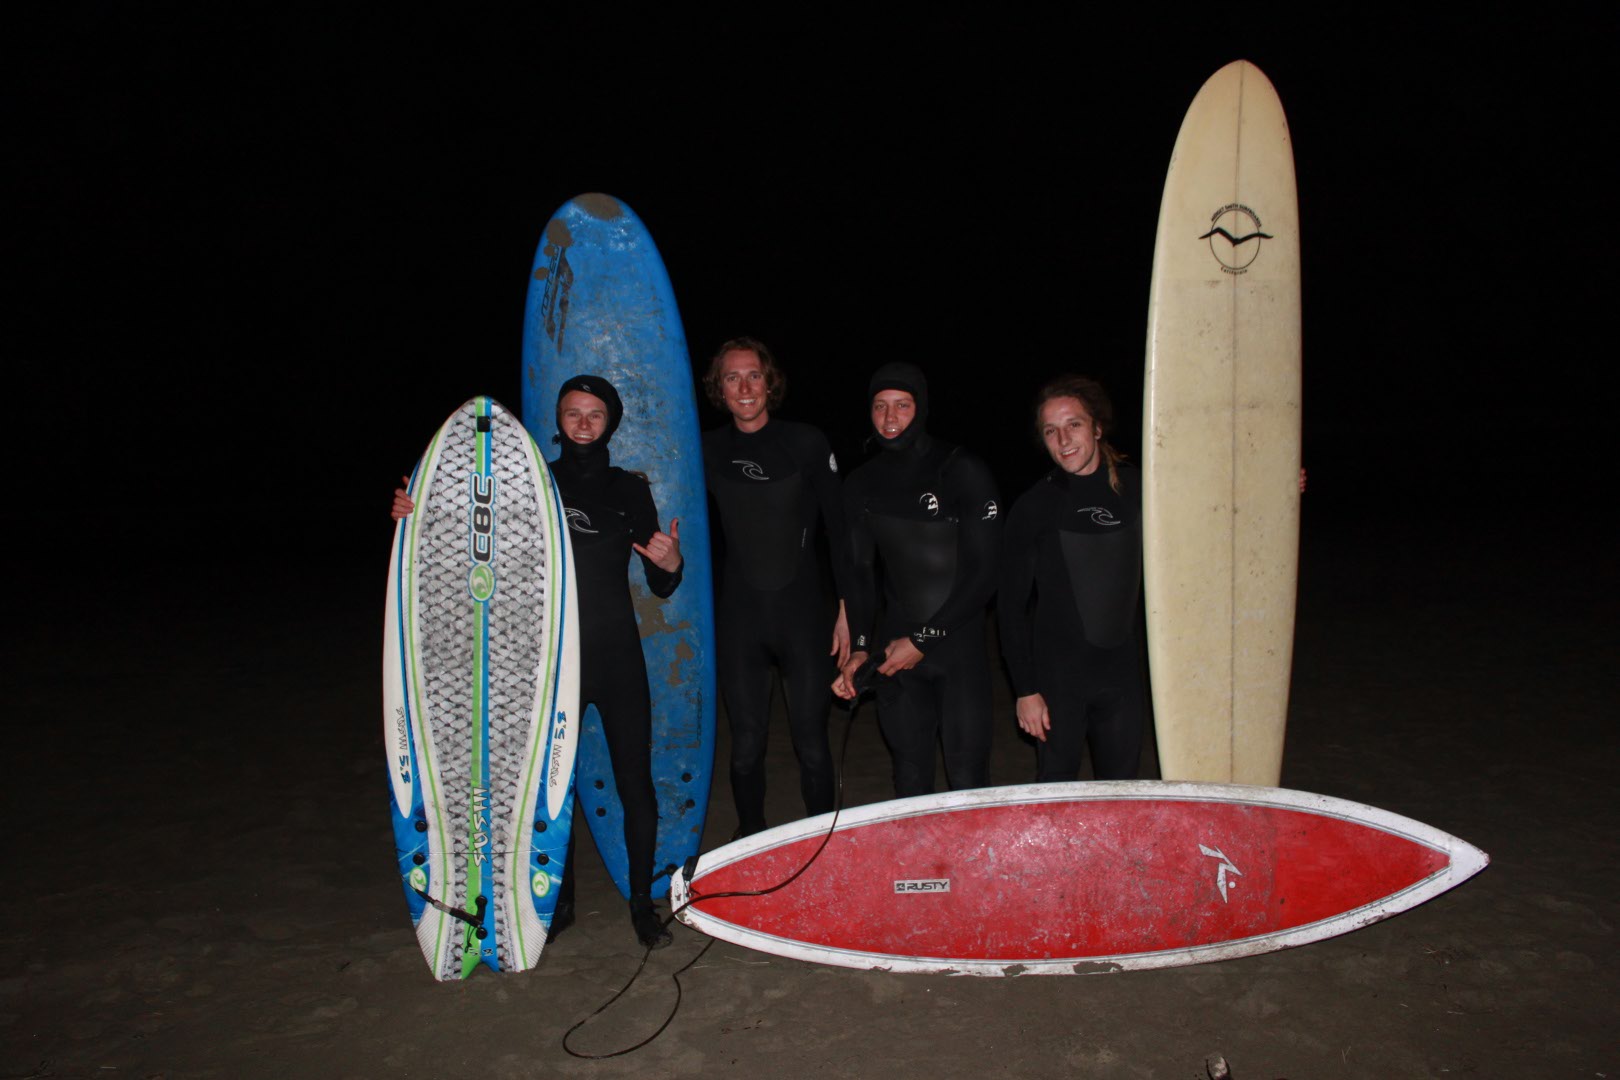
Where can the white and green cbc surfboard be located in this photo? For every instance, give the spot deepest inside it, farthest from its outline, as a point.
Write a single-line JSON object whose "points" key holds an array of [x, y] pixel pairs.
{"points": [[480, 695]]}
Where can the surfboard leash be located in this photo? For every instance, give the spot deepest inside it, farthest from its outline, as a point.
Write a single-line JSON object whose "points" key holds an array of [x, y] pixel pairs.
{"points": [[680, 993], [469, 917], [865, 680], [867, 683]]}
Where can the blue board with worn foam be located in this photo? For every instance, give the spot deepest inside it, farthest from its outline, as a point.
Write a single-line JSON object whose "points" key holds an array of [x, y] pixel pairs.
{"points": [[600, 303]]}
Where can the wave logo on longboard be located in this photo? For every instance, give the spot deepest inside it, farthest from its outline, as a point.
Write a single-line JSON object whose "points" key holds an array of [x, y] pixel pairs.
{"points": [[559, 279], [481, 535], [1232, 228]]}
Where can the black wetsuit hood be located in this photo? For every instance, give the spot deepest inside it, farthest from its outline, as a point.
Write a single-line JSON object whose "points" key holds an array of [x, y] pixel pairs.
{"points": [[589, 459], [899, 375]]}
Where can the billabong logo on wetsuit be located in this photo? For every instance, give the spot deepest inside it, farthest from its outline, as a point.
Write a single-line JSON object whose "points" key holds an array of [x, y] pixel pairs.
{"points": [[578, 520], [929, 885], [481, 535], [559, 279], [990, 511], [751, 470], [929, 502], [1220, 874], [1237, 225], [1101, 515], [832, 462]]}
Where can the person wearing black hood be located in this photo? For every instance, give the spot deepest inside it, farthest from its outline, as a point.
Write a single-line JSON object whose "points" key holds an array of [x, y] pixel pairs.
{"points": [[927, 511], [610, 514]]}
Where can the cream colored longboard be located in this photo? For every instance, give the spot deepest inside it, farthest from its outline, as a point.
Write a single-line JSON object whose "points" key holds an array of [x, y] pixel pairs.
{"points": [[1221, 423]]}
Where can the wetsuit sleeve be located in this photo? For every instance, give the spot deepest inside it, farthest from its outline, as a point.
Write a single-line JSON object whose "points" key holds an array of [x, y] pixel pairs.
{"points": [[978, 547], [830, 494], [713, 448], [1013, 593], [643, 516], [860, 589]]}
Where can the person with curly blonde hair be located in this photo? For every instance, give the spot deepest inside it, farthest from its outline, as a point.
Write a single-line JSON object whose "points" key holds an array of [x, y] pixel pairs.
{"points": [[775, 484]]}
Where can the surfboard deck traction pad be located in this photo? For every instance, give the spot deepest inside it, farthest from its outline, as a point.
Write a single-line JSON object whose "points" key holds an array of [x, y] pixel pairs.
{"points": [[476, 685]]}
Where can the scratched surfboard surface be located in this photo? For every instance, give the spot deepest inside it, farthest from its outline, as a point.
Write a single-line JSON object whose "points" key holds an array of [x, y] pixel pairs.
{"points": [[600, 303], [481, 695], [1078, 878]]}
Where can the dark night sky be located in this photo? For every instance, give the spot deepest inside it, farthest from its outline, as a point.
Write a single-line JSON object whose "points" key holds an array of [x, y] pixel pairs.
{"points": [[267, 255]]}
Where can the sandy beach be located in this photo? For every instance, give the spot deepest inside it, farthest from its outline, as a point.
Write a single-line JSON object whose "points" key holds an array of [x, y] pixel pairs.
{"points": [[207, 885]]}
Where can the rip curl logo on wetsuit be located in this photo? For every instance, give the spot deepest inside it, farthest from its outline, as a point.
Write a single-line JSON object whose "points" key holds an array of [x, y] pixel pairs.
{"points": [[1237, 225], [1100, 515], [929, 502], [990, 511], [751, 469], [1220, 874], [578, 521]]}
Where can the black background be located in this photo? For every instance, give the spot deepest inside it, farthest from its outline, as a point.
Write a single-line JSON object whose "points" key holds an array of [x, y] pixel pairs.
{"points": [[263, 252]]}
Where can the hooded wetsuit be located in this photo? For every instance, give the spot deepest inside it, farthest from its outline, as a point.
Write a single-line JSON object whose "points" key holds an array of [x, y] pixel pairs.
{"points": [[771, 486], [608, 508], [927, 511], [1071, 578]]}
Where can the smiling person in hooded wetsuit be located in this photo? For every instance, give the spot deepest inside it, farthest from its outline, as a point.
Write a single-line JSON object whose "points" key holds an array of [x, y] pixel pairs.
{"points": [[611, 513], [773, 481], [926, 511], [1071, 575]]}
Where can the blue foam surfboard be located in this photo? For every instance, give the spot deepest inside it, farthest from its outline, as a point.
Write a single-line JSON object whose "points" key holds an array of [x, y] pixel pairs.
{"points": [[600, 303]]}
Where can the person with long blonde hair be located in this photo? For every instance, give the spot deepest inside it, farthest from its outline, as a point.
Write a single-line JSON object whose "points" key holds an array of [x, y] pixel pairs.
{"points": [[1071, 576]]}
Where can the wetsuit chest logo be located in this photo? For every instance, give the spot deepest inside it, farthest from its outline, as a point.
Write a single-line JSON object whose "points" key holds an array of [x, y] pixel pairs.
{"points": [[990, 511], [929, 502], [579, 521], [751, 469], [1101, 515]]}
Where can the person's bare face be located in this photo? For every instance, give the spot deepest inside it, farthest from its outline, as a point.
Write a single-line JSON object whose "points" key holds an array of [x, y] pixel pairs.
{"points": [[1070, 435], [583, 417], [892, 412]]}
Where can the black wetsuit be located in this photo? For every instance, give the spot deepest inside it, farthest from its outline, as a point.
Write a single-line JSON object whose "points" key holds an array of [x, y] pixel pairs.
{"points": [[607, 508], [1070, 580], [928, 512], [771, 486]]}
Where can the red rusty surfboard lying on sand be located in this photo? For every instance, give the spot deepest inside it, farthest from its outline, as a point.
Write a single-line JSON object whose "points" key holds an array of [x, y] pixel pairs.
{"points": [[1070, 878]]}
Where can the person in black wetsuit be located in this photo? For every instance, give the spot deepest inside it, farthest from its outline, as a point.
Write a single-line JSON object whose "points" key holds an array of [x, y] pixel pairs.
{"points": [[772, 480], [1071, 575], [611, 513], [927, 511]]}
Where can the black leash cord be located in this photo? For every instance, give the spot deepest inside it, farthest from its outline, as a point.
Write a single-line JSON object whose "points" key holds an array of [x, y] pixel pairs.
{"points": [[468, 917], [826, 838], [838, 808], [679, 994]]}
